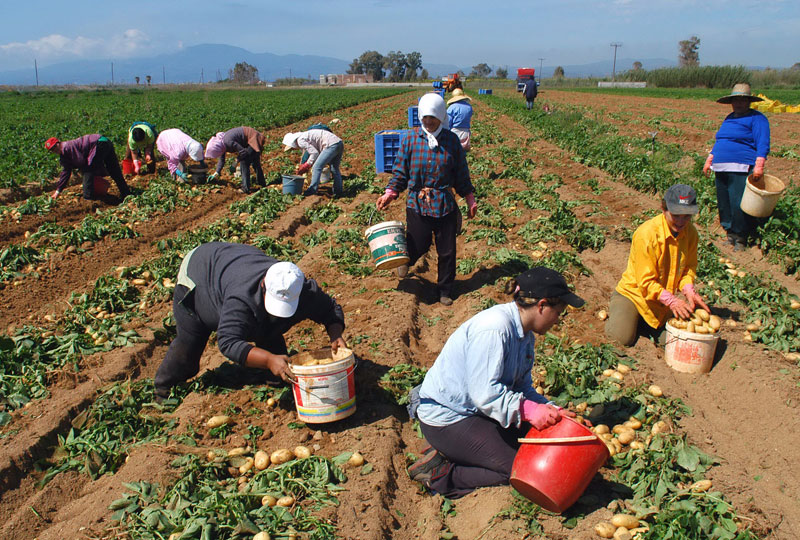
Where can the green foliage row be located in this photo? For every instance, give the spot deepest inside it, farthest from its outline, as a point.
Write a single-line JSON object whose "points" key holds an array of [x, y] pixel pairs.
{"points": [[784, 95], [690, 77]]}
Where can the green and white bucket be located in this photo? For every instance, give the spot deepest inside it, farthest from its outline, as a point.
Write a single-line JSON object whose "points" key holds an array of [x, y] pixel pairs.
{"points": [[387, 242]]}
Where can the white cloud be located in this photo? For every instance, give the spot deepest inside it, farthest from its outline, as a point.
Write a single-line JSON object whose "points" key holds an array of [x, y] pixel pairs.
{"points": [[57, 48]]}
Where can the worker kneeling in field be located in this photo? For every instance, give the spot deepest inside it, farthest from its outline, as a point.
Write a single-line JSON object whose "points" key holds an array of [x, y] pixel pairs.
{"points": [[246, 297], [93, 155], [176, 146], [430, 163], [142, 140], [662, 261], [478, 398]]}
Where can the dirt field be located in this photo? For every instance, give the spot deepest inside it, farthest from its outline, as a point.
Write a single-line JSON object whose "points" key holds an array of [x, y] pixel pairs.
{"points": [[744, 410]]}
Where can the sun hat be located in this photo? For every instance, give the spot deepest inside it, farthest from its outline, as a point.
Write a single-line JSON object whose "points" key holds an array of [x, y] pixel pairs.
{"points": [[290, 141], [195, 150], [216, 146], [739, 90], [541, 282], [458, 95], [681, 200], [51, 142], [283, 283]]}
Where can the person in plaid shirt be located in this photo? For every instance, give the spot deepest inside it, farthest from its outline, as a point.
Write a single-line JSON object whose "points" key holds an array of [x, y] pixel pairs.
{"points": [[431, 163]]}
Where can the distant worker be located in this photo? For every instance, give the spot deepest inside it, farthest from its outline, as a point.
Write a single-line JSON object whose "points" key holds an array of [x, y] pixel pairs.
{"points": [[323, 148], [430, 163], [530, 91], [247, 143], [93, 155], [141, 140], [662, 261], [246, 297], [177, 146], [459, 114], [741, 148]]}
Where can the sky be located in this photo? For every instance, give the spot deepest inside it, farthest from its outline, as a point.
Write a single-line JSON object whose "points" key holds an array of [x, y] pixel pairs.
{"points": [[464, 33]]}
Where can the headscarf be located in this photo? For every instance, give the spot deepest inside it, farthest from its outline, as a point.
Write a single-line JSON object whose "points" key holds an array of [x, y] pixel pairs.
{"points": [[216, 146], [433, 104], [195, 150], [290, 141]]}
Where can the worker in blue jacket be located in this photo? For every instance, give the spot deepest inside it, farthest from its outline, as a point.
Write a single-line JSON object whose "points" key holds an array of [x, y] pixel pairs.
{"points": [[530, 91], [250, 300]]}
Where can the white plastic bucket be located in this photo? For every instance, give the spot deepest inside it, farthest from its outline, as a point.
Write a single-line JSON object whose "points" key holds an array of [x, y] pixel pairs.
{"points": [[325, 390], [761, 202], [325, 175], [387, 242], [689, 352]]}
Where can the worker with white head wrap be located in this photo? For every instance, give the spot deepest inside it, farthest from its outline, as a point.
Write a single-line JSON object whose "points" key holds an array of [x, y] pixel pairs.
{"points": [[431, 163], [177, 146]]}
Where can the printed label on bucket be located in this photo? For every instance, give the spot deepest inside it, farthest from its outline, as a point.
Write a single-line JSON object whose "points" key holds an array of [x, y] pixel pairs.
{"points": [[324, 398]]}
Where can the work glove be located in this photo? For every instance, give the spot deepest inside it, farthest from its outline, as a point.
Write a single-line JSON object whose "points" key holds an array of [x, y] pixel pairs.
{"points": [[213, 176], [678, 307], [758, 170], [539, 415], [386, 198], [182, 174], [472, 206], [694, 298], [707, 165], [137, 166], [302, 169]]}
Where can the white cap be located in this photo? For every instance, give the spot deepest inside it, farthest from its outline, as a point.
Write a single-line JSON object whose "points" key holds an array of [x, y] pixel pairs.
{"points": [[290, 141], [195, 150], [283, 283]]}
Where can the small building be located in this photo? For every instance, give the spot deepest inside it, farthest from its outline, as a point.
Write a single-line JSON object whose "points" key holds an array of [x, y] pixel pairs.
{"points": [[342, 79]]}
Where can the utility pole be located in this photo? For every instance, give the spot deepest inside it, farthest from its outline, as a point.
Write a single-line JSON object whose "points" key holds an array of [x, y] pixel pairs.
{"points": [[163, 75], [614, 68], [112, 73], [540, 70], [36, 68], [201, 75]]}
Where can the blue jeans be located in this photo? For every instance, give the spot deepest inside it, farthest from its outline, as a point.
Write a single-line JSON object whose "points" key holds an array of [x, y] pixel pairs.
{"points": [[730, 188], [332, 156]]}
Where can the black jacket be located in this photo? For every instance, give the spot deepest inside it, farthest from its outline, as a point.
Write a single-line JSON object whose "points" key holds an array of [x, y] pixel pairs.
{"points": [[530, 90]]}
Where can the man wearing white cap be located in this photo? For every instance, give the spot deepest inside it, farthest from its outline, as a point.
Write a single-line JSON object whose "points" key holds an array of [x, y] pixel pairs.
{"points": [[176, 146], [246, 297]]}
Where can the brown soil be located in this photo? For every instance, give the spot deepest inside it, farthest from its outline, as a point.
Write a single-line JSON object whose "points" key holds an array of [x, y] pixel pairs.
{"points": [[744, 410]]}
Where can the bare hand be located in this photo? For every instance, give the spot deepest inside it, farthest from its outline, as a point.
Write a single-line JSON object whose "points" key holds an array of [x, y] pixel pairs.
{"points": [[279, 366], [383, 201], [336, 343], [471, 211]]}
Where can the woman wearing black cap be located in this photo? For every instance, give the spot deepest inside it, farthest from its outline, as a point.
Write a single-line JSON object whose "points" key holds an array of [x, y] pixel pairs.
{"points": [[477, 398]]}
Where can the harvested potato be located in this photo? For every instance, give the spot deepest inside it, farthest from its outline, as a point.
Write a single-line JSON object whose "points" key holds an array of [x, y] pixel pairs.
{"points": [[271, 402], [714, 322], [581, 407], [606, 436], [794, 304], [633, 423], [601, 428], [626, 437], [624, 520], [623, 368], [217, 421], [690, 327], [637, 445], [356, 460], [622, 533], [747, 337], [608, 372], [700, 486], [619, 428], [268, 500], [175, 535], [659, 427], [702, 330], [263, 535], [246, 466], [752, 327], [302, 452], [655, 390], [605, 529], [703, 314], [281, 456], [617, 375], [238, 451], [261, 460], [285, 501], [602, 314]]}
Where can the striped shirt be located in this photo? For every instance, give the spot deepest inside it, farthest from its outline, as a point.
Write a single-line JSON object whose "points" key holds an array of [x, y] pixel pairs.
{"points": [[430, 173]]}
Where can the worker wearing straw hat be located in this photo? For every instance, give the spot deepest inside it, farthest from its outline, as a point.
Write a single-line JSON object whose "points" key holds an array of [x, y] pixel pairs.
{"points": [[246, 297], [459, 115], [741, 149]]}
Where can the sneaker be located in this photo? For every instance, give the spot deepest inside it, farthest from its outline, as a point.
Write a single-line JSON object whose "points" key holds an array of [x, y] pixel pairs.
{"points": [[246, 191], [445, 300], [739, 245], [429, 467], [402, 271]]}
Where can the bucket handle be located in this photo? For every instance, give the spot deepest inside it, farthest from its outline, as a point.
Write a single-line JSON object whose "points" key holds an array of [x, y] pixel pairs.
{"points": [[371, 215]]}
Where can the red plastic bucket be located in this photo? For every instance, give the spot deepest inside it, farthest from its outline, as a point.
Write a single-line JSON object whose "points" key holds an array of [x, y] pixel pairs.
{"points": [[127, 166], [101, 186], [554, 475]]}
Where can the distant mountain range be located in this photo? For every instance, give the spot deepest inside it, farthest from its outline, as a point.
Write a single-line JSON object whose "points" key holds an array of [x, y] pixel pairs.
{"points": [[209, 63]]}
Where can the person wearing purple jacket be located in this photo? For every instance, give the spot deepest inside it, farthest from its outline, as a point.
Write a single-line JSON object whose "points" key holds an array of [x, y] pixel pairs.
{"points": [[93, 155]]}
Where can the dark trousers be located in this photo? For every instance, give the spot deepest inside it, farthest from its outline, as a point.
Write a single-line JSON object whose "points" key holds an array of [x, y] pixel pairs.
{"points": [[730, 188], [251, 159], [529, 102], [182, 361], [105, 160], [480, 450], [421, 231]]}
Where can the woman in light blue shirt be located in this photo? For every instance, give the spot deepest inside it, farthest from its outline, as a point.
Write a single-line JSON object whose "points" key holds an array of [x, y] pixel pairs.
{"points": [[477, 397]]}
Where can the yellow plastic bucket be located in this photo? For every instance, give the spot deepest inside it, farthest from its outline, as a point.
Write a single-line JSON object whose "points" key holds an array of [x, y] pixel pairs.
{"points": [[689, 352], [325, 390], [761, 201], [387, 242]]}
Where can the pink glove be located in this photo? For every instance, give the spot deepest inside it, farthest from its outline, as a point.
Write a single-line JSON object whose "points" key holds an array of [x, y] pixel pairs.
{"points": [[694, 298], [707, 166], [678, 306], [55, 194], [472, 206], [386, 198], [539, 415], [302, 169], [758, 170], [137, 166]]}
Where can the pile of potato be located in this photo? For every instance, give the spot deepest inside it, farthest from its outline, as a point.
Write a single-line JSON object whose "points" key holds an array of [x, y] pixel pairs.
{"points": [[622, 527], [702, 322]]}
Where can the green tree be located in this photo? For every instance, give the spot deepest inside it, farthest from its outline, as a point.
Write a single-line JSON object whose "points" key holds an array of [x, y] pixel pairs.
{"points": [[369, 63], [424, 74], [637, 66], [414, 61], [501, 73], [396, 64], [243, 73], [689, 55], [481, 71], [558, 73]]}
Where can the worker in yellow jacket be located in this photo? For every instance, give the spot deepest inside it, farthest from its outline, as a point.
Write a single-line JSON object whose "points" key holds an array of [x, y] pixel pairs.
{"points": [[662, 262]]}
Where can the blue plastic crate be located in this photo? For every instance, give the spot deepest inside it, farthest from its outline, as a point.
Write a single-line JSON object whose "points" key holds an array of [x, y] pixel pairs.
{"points": [[437, 84], [413, 116], [440, 91], [485, 91], [387, 146]]}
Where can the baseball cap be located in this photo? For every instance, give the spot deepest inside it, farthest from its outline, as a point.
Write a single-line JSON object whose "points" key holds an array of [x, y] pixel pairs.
{"points": [[681, 199], [283, 283], [541, 282], [51, 142]]}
